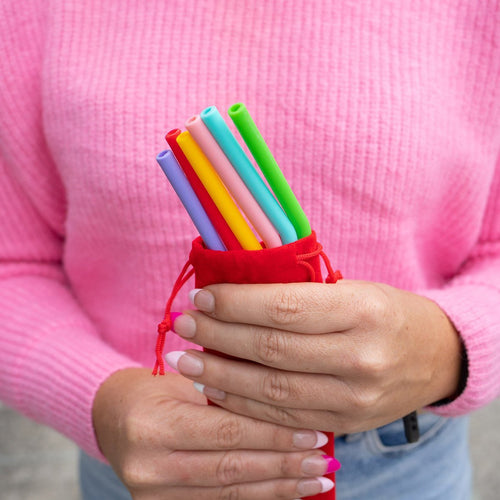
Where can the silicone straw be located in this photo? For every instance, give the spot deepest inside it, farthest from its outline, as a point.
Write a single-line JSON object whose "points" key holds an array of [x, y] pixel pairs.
{"points": [[185, 192], [265, 160], [233, 182], [219, 223], [218, 192], [240, 161]]}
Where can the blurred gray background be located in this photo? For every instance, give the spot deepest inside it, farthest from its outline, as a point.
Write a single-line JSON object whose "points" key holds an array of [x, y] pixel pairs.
{"points": [[36, 463]]}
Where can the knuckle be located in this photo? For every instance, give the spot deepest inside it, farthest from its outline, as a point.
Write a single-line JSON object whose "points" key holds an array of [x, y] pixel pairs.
{"points": [[363, 402], [269, 346], [133, 474], [371, 363], [230, 469], [133, 432], [285, 307], [367, 400], [276, 387], [279, 415], [228, 433], [229, 493], [287, 466], [376, 306]]}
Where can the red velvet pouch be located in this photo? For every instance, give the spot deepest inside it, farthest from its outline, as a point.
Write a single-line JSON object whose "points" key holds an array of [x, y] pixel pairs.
{"points": [[293, 263]]}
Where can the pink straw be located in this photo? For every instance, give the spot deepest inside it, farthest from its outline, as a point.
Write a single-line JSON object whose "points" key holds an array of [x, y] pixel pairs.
{"points": [[233, 182]]}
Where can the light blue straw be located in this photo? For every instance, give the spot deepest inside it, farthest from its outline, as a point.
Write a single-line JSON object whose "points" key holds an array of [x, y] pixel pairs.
{"points": [[241, 163]]}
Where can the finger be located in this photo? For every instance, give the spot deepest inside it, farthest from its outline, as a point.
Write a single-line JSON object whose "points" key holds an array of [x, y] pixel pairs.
{"points": [[299, 307], [212, 428], [326, 353], [307, 418], [254, 381], [265, 490], [237, 466]]}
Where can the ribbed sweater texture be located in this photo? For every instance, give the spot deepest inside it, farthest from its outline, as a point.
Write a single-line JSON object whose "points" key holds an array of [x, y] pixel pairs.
{"points": [[383, 115]]}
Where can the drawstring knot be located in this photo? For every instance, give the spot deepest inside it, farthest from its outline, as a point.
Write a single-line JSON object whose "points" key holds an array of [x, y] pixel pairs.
{"points": [[332, 276], [166, 324], [164, 327]]}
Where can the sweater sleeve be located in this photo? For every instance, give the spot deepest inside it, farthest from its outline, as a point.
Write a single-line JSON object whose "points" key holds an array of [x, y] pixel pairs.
{"points": [[471, 299], [52, 360]]}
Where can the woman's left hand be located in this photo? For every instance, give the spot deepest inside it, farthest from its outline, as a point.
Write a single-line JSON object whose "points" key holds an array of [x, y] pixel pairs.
{"points": [[345, 358]]}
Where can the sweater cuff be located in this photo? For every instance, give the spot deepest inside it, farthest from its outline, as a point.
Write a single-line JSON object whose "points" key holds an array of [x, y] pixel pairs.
{"points": [[61, 393], [474, 311]]}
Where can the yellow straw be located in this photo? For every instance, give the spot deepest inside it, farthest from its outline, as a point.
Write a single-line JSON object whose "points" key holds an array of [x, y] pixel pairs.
{"points": [[218, 192]]}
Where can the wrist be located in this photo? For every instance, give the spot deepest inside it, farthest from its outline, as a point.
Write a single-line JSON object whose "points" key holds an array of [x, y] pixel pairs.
{"points": [[110, 400], [449, 360], [462, 381]]}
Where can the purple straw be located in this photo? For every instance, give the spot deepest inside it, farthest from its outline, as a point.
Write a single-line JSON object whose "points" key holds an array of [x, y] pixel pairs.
{"points": [[185, 192]]}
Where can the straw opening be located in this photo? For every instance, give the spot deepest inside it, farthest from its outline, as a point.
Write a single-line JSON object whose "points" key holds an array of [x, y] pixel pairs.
{"points": [[208, 111], [163, 154], [235, 108]]}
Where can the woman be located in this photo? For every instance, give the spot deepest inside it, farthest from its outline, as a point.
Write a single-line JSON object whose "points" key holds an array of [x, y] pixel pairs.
{"points": [[384, 118]]}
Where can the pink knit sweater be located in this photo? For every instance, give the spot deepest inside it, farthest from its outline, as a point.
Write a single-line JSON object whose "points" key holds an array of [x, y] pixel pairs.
{"points": [[384, 118]]}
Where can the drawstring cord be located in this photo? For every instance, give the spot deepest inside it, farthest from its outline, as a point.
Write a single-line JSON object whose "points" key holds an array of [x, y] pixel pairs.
{"points": [[166, 325], [332, 276]]}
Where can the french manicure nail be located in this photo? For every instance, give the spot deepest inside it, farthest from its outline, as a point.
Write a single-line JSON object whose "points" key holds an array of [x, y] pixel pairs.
{"points": [[185, 326], [314, 466], [192, 294], [199, 387], [321, 439], [202, 299], [314, 486], [185, 363], [210, 392], [320, 465], [172, 358], [213, 393], [309, 439]]}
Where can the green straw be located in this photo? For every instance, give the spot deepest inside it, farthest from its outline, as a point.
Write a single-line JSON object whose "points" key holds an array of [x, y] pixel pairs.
{"points": [[266, 162]]}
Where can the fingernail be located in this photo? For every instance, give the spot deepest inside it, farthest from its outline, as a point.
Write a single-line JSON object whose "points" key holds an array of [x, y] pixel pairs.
{"points": [[210, 392], [192, 294], [308, 487], [320, 465], [185, 363], [314, 466], [202, 299], [199, 387], [185, 326], [173, 316], [333, 464], [173, 357], [309, 439]]}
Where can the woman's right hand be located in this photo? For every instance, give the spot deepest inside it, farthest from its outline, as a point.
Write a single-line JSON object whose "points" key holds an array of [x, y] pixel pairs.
{"points": [[164, 442]]}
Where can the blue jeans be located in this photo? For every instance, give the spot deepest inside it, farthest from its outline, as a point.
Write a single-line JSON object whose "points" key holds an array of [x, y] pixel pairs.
{"points": [[376, 465]]}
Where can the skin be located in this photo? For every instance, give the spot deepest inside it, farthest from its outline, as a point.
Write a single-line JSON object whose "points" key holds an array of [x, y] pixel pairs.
{"points": [[164, 442], [345, 358]]}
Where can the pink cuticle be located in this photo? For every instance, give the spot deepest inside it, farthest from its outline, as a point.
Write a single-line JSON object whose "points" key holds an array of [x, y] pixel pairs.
{"points": [[333, 464]]}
